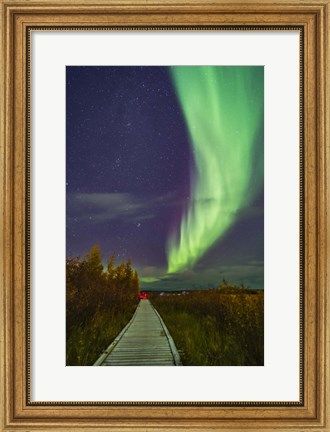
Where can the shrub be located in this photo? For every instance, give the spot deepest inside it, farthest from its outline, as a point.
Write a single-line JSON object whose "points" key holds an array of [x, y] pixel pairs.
{"points": [[98, 304]]}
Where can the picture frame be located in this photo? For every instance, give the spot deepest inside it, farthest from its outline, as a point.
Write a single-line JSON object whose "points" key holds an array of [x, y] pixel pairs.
{"points": [[17, 410]]}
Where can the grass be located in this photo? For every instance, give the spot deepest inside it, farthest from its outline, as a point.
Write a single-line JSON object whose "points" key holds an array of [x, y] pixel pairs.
{"points": [[216, 327], [87, 342]]}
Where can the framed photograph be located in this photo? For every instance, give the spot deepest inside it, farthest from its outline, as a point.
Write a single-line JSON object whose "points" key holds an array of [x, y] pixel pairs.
{"points": [[164, 188]]}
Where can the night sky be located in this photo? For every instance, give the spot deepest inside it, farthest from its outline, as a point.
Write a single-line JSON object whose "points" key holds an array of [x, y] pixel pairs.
{"points": [[131, 178]]}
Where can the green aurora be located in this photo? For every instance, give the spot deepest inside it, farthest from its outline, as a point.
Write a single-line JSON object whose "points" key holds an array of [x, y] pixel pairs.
{"points": [[223, 108]]}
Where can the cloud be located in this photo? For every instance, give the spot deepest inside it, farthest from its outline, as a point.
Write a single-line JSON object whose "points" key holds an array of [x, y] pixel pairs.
{"points": [[152, 271], [250, 272], [248, 267], [149, 279], [97, 208]]}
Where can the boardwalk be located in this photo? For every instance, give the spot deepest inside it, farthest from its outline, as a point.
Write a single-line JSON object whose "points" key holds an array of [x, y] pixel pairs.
{"points": [[145, 341]]}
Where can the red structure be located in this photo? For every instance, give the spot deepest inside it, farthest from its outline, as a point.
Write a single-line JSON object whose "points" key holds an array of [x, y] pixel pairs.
{"points": [[143, 295]]}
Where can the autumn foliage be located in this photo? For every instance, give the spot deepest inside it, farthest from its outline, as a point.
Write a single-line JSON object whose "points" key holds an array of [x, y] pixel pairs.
{"points": [[99, 302]]}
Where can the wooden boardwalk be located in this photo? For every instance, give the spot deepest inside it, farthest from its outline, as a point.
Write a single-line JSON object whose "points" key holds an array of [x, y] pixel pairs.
{"points": [[145, 341]]}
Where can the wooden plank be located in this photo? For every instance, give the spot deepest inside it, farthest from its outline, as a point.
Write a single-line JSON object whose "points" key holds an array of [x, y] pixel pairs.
{"points": [[145, 341]]}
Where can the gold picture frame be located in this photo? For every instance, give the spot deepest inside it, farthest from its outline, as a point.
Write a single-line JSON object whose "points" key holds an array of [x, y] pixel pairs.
{"points": [[17, 411]]}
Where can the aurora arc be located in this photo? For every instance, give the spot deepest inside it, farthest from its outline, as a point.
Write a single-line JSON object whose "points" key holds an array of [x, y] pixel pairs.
{"points": [[223, 109]]}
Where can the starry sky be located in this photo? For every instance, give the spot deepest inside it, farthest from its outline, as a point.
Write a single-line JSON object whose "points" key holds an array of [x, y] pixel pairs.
{"points": [[131, 182]]}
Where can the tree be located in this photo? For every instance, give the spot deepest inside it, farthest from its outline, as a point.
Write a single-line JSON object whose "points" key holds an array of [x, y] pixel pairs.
{"points": [[94, 260], [135, 283], [111, 270]]}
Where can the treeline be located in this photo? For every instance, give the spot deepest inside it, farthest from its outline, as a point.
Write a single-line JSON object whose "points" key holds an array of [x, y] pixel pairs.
{"points": [[99, 303], [218, 327]]}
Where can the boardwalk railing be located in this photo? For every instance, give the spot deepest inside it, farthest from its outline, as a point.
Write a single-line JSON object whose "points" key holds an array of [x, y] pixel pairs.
{"points": [[145, 341]]}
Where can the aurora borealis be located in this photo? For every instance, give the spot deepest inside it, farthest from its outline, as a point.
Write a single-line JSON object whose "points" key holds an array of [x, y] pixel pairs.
{"points": [[223, 109], [165, 167]]}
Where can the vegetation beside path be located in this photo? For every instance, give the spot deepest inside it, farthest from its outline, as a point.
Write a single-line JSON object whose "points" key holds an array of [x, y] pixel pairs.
{"points": [[99, 303], [217, 327], [223, 326]]}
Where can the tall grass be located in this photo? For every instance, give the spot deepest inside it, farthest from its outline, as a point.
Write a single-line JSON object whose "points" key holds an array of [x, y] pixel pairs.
{"points": [[221, 327], [87, 342]]}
